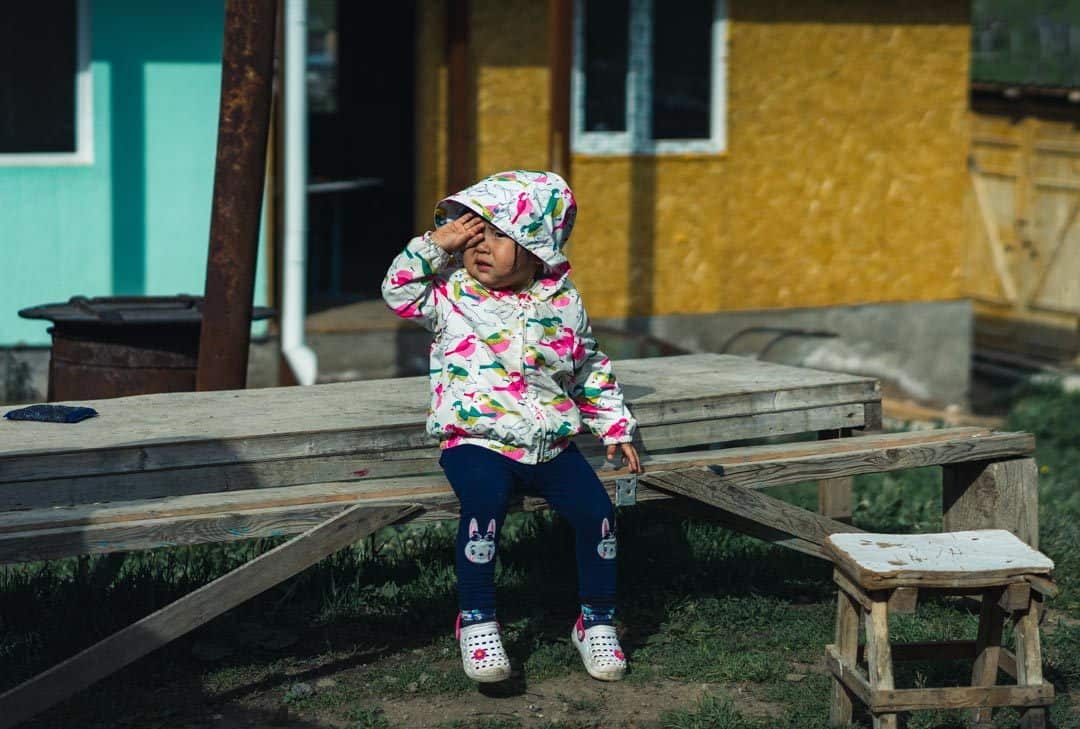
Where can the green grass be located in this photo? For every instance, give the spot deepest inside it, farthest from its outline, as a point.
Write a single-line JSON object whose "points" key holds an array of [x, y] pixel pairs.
{"points": [[699, 604]]}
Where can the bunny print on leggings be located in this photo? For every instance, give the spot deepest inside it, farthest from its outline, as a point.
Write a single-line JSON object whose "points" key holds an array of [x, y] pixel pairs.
{"points": [[606, 547], [480, 549]]}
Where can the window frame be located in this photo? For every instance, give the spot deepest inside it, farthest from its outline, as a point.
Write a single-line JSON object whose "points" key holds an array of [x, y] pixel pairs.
{"points": [[84, 107], [636, 138]]}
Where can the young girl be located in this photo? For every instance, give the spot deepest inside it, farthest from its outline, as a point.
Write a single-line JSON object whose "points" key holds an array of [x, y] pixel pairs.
{"points": [[515, 374]]}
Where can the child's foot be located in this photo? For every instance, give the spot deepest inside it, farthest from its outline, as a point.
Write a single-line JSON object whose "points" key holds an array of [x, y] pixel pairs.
{"points": [[482, 653], [600, 650]]}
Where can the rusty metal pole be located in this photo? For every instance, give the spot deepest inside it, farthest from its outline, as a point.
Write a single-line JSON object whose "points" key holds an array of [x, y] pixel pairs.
{"points": [[247, 70], [560, 51], [459, 111]]}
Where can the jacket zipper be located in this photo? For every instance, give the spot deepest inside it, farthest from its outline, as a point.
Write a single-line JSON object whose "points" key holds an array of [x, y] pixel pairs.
{"points": [[527, 395]]}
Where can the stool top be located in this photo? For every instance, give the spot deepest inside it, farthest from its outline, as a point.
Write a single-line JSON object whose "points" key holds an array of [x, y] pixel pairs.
{"points": [[976, 558]]}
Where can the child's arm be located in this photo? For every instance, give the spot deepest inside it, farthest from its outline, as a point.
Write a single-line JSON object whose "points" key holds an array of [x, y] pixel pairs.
{"points": [[411, 285], [595, 390]]}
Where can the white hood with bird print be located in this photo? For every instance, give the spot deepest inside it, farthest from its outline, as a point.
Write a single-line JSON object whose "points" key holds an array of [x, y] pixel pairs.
{"points": [[517, 372]]}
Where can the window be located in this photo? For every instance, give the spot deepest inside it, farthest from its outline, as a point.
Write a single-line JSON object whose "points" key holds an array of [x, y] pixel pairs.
{"points": [[1035, 43], [649, 81], [46, 113]]}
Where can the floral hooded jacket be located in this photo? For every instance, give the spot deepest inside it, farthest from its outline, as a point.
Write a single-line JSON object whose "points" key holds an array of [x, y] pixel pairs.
{"points": [[517, 372]]}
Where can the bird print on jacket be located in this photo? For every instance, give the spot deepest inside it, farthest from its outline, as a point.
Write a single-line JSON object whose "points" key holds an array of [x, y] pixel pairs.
{"points": [[519, 373]]}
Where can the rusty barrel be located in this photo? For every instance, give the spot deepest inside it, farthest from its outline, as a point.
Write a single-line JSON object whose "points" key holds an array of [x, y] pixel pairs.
{"points": [[114, 346]]}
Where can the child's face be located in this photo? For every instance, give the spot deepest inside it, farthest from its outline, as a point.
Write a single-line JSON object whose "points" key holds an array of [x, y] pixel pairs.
{"points": [[498, 262]]}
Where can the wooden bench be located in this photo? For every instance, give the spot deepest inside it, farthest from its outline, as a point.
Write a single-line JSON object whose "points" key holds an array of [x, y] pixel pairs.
{"points": [[336, 462], [882, 574]]}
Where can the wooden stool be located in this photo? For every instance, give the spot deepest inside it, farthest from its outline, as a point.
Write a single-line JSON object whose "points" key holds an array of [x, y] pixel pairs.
{"points": [[882, 573]]}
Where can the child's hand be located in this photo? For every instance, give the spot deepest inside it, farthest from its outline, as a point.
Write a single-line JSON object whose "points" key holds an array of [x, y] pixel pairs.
{"points": [[629, 454], [459, 233]]}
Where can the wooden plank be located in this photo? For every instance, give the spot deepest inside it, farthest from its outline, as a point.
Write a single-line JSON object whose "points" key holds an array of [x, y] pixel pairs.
{"points": [[1007, 662], [380, 489], [988, 648], [380, 443], [191, 611], [1043, 585], [848, 674], [764, 425], [326, 453], [847, 648], [659, 390], [198, 519], [961, 697], [1056, 247], [853, 591], [879, 665], [755, 466], [1016, 596], [1029, 660], [865, 454], [993, 237], [784, 524], [998, 495], [907, 700], [873, 416], [708, 488], [178, 531], [159, 522], [903, 600]]}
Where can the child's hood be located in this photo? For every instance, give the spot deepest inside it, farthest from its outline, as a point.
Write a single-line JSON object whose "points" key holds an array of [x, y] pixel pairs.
{"points": [[535, 208]]}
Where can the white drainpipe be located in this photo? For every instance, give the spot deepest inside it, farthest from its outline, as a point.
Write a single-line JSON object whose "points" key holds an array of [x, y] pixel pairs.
{"points": [[300, 357]]}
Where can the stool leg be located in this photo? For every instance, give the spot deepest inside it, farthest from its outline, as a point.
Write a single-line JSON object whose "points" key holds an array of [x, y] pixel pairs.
{"points": [[987, 649], [879, 657], [847, 644], [1029, 660]]}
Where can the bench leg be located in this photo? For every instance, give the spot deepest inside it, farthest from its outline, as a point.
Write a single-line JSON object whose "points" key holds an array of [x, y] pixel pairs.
{"points": [[847, 644], [834, 494], [879, 657], [987, 650], [1029, 660], [997, 495]]}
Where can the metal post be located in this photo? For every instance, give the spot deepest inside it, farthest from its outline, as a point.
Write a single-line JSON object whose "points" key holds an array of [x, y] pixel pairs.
{"points": [[560, 50], [247, 70]]}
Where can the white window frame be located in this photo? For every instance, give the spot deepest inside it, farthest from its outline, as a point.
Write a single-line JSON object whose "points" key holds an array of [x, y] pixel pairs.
{"points": [[84, 108], [636, 138]]}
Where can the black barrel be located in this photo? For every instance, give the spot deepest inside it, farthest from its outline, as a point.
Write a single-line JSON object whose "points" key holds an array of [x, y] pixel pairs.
{"points": [[123, 345]]}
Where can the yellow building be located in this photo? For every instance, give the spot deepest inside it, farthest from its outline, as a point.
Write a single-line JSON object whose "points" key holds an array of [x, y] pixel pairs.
{"points": [[824, 194]]}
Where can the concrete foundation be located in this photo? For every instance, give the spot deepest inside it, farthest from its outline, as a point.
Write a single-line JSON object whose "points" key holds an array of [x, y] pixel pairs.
{"points": [[918, 350]]}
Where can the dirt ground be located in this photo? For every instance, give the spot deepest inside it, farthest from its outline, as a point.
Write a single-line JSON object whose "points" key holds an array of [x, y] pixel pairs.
{"points": [[575, 700]]}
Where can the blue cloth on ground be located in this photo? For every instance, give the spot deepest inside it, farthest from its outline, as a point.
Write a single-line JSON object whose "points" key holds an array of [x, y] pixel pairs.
{"points": [[52, 413]]}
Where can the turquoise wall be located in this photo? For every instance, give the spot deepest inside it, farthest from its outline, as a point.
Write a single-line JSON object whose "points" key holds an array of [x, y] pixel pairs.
{"points": [[137, 220]]}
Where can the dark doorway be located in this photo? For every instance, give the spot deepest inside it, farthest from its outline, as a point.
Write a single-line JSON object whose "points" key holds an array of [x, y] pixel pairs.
{"points": [[360, 195]]}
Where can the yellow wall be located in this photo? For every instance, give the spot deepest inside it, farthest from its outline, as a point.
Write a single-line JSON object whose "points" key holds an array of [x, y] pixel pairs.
{"points": [[843, 181]]}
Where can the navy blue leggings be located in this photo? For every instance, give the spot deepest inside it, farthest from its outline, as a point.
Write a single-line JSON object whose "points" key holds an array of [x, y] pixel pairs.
{"points": [[483, 481]]}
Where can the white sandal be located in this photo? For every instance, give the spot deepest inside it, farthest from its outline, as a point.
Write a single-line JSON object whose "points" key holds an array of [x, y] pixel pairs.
{"points": [[600, 650], [482, 654]]}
